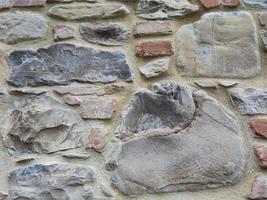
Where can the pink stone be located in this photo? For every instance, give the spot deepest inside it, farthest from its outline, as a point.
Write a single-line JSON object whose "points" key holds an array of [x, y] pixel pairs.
{"points": [[72, 100], [97, 139], [63, 32], [154, 48], [152, 28], [259, 188], [259, 125], [210, 3], [262, 154], [28, 3], [230, 3]]}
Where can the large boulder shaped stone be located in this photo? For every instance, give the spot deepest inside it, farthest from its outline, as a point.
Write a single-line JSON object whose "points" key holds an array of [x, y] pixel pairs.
{"points": [[111, 34], [63, 63], [85, 11], [165, 9], [40, 124], [22, 26], [249, 101], [168, 106], [169, 161], [210, 47], [52, 181]]}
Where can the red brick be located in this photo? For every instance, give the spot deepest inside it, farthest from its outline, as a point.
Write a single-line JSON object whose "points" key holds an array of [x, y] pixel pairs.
{"points": [[259, 125], [262, 154], [210, 3], [230, 3], [154, 48], [259, 188]]}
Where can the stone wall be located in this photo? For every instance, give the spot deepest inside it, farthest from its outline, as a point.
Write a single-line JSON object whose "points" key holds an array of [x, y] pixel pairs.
{"points": [[133, 100]]}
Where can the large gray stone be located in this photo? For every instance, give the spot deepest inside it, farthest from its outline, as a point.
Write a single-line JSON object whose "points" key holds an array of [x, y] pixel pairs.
{"points": [[250, 101], [22, 26], [169, 106], [85, 11], [208, 153], [111, 34], [210, 47], [61, 64], [52, 181], [40, 124], [164, 9]]}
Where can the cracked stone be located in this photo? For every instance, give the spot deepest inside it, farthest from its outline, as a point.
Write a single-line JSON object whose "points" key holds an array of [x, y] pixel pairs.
{"points": [[165, 9], [259, 126], [210, 3], [22, 26], [40, 124], [157, 109], [52, 181], [261, 152], [256, 3], [152, 28], [97, 139], [205, 84], [259, 188], [155, 67], [154, 48], [249, 101], [110, 34], [85, 11], [210, 48], [63, 63], [170, 162], [63, 32]]}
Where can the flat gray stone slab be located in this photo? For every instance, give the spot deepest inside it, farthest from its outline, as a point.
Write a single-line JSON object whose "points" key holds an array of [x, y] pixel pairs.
{"points": [[63, 63], [210, 47], [52, 181], [22, 26], [256, 3]]}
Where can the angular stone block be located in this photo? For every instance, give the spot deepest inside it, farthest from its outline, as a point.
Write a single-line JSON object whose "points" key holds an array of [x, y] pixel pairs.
{"points": [[154, 48], [152, 28]]}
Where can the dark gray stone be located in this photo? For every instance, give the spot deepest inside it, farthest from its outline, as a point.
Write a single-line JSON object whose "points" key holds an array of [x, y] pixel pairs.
{"points": [[110, 34], [61, 64], [52, 181]]}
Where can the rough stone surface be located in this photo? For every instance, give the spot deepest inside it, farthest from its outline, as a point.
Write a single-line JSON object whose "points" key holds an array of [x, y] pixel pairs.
{"points": [[3, 196], [263, 18], [152, 28], [164, 9], [97, 139], [205, 84], [154, 48], [259, 188], [25, 91], [250, 101], [155, 67], [4, 4], [52, 181], [85, 11], [22, 26], [68, 1], [259, 125], [263, 36], [230, 3], [256, 3], [40, 124], [63, 32], [228, 83], [210, 48], [169, 162], [261, 152], [60, 64], [157, 109], [111, 34], [28, 3], [210, 3]]}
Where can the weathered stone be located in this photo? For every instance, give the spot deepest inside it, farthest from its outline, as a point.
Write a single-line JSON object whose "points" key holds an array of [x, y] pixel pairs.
{"points": [[22, 26], [263, 18], [164, 9], [259, 188], [169, 162], [262, 154], [152, 28], [256, 3], [52, 181], [210, 3], [155, 67], [97, 139], [72, 100], [63, 63], [105, 191], [154, 48], [85, 11], [24, 158], [5, 4], [210, 48], [76, 155], [111, 34], [3, 196], [259, 125], [28, 3], [26, 91], [230, 3], [96, 108], [205, 84], [250, 101], [228, 83], [63, 32], [263, 36], [159, 109], [40, 124]]}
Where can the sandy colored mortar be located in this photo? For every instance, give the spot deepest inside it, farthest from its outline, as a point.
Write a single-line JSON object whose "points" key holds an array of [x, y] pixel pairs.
{"points": [[235, 192]]}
